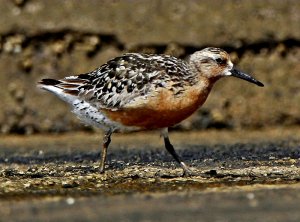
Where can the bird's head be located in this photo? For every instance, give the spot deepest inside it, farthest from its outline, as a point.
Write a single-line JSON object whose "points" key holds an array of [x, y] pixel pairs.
{"points": [[214, 63]]}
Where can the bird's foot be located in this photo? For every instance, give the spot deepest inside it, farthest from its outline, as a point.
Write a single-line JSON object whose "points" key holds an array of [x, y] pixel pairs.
{"points": [[187, 172]]}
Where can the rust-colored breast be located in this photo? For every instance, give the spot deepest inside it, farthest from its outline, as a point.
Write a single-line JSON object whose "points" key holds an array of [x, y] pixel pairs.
{"points": [[162, 110]]}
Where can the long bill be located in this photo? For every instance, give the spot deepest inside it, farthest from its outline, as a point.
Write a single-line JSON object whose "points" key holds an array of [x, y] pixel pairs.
{"points": [[241, 75]]}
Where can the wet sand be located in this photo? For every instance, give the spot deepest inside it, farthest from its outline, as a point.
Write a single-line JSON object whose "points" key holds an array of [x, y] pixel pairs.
{"points": [[239, 176]]}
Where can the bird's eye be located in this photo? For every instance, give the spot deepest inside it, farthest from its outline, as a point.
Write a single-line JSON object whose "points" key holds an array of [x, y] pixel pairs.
{"points": [[220, 61]]}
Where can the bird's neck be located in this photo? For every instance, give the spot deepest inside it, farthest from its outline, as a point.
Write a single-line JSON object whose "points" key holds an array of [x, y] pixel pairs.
{"points": [[196, 95]]}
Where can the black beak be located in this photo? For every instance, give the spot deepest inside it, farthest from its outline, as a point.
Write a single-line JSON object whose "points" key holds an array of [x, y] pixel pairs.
{"points": [[241, 75]]}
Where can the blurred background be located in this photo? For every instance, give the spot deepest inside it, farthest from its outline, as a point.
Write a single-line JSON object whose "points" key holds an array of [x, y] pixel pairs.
{"points": [[57, 38]]}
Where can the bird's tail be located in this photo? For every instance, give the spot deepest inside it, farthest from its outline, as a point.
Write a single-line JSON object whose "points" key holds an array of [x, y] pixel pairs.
{"points": [[48, 82], [50, 85], [65, 89]]}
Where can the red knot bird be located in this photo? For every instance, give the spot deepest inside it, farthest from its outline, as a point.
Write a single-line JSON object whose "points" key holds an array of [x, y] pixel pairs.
{"points": [[136, 92]]}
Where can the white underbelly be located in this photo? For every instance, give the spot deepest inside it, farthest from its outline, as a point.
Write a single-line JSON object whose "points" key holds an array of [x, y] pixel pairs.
{"points": [[90, 115]]}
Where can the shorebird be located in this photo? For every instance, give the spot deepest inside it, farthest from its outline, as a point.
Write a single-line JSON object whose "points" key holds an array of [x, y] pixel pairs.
{"points": [[136, 92]]}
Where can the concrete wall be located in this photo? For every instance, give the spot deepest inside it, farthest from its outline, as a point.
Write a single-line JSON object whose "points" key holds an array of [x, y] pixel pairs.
{"points": [[58, 38]]}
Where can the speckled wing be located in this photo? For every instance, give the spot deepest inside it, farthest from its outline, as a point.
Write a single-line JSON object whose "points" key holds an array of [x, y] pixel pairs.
{"points": [[127, 78]]}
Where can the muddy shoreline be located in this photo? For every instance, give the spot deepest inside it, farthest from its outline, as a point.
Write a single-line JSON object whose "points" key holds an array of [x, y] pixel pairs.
{"points": [[43, 174]]}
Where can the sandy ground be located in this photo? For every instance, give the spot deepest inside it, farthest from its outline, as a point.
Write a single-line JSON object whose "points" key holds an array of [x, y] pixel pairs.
{"points": [[239, 176]]}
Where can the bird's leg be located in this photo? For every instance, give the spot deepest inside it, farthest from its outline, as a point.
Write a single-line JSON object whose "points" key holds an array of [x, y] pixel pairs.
{"points": [[170, 148], [105, 144]]}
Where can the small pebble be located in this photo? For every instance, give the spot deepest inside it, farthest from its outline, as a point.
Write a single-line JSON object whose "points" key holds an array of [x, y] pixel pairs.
{"points": [[70, 201], [250, 196]]}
